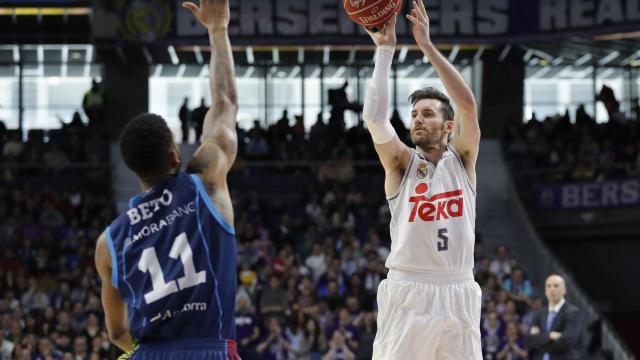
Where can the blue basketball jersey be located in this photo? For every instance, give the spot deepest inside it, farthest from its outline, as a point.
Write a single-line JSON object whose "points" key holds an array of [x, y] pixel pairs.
{"points": [[174, 263]]}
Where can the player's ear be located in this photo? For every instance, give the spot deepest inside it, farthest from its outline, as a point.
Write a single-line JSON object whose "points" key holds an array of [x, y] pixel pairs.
{"points": [[449, 125], [174, 159]]}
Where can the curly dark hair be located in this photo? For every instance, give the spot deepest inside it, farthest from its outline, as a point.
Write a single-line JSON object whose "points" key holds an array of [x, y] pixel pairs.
{"points": [[145, 143], [432, 93]]}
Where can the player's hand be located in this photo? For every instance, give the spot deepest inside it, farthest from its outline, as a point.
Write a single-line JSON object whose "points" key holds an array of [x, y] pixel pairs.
{"points": [[385, 36], [554, 335], [420, 21], [212, 14], [534, 330]]}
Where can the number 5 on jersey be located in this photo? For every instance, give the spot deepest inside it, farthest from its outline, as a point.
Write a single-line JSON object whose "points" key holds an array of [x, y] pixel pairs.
{"points": [[443, 243], [149, 262]]}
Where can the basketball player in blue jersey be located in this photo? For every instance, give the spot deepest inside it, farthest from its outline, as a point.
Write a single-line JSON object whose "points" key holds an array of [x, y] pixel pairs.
{"points": [[168, 263]]}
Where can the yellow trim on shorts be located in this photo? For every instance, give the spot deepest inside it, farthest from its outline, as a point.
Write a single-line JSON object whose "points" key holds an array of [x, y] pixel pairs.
{"points": [[129, 355]]}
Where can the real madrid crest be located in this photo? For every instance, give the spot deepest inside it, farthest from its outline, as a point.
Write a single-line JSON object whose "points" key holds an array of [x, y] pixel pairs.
{"points": [[423, 171]]}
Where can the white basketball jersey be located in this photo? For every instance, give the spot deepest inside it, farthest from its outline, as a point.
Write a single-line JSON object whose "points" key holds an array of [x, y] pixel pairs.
{"points": [[433, 216]]}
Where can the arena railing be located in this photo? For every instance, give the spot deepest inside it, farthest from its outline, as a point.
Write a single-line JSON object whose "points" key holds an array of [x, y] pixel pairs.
{"points": [[540, 262]]}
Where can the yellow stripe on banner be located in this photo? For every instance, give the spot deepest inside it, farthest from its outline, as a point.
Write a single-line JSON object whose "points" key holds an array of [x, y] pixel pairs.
{"points": [[44, 11]]}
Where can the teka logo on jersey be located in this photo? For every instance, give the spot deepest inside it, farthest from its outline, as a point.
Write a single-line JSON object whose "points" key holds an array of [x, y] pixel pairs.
{"points": [[439, 206]]}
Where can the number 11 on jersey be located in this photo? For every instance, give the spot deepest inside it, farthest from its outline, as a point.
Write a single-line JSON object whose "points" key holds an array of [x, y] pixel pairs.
{"points": [[149, 262]]}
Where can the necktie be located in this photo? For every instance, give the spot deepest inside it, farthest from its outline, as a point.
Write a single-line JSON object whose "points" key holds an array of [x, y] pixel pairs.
{"points": [[550, 318]]}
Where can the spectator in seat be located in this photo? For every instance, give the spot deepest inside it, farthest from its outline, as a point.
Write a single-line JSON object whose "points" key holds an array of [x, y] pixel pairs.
{"points": [[527, 319], [6, 346], [274, 345], [520, 289], [501, 266], [247, 328], [483, 272], [512, 347], [274, 300], [510, 314], [491, 332], [338, 349], [316, 341]]}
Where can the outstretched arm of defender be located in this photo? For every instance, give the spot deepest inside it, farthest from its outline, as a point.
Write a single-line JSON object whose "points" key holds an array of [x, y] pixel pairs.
{"points": [[467, 133], [393, 153], [219, 139]]}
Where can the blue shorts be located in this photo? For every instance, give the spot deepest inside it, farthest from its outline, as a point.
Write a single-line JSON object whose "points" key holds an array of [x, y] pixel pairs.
{"points": [[188, 349]]}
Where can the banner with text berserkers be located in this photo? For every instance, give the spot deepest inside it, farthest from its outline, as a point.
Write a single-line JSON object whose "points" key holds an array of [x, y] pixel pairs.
{"points": [[588, 196], [308, 22]]}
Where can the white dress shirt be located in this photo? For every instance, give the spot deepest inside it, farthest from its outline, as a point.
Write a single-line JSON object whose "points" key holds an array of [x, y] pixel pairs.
{"points": [[557, 307]]}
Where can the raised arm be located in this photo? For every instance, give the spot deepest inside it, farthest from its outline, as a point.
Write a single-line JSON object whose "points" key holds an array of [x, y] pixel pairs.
{"points": [[216, 155], [393, 153], [467, 133]]}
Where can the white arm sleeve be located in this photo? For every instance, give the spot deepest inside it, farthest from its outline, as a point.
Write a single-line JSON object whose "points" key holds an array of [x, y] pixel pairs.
{"points": [[376, 99]]}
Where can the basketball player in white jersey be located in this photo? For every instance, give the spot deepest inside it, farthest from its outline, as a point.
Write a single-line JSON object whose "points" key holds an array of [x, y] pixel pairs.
{"points": [[429, 305]]}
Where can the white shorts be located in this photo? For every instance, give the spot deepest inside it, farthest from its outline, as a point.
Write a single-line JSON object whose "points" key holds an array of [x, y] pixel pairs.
{"points": [[428, 316]]}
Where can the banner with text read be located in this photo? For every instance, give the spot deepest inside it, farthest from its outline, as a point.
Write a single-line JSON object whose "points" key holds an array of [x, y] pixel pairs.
{"points": [[588, 196], [308, 22]]}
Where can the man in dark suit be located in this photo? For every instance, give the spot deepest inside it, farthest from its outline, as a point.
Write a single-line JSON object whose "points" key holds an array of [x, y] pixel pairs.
{"points": [[556, 331]]}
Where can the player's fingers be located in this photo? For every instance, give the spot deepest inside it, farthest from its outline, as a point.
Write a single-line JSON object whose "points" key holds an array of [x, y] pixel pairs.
{"points": [[419, 14], [423, 10], [190, 6], [414, 14], [414, 20]]}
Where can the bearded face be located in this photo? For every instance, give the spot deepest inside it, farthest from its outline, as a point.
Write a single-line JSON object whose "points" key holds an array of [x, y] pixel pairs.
{"points": [[428, 126]]}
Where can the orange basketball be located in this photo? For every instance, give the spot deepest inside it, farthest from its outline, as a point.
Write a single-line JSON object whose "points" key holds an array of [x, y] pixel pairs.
{"points": [[371, 13]]}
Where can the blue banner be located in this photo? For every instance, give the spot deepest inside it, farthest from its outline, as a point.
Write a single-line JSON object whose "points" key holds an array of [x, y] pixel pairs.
{"points": [[302, 22], [586, 196]]}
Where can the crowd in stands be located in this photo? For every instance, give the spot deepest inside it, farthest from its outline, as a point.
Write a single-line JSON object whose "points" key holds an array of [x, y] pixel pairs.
{"points": [[73, 151], [308, 273], [309, 263], [578, 150], [308, 280], [49, 291], [287, 140]]}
